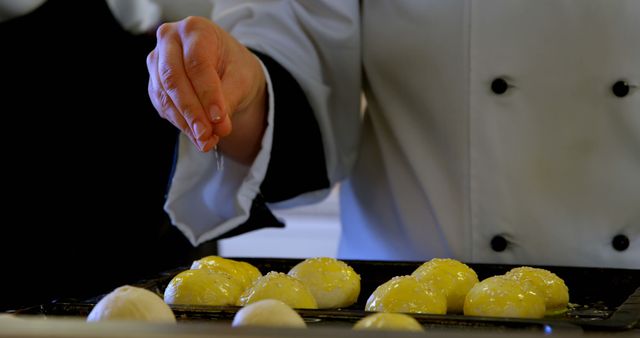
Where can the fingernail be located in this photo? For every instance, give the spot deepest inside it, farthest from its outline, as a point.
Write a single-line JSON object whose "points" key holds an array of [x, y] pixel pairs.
{"points": [[199, 130], [215, 114], [206, 145], [202, 146], [211, 143]]}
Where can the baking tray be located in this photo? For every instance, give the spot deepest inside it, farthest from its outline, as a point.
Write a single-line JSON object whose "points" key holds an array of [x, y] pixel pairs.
{"points": [[602, 299]]}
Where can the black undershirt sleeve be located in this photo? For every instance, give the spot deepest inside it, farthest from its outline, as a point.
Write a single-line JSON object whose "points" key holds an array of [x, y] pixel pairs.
{"points": [[297, 163]]}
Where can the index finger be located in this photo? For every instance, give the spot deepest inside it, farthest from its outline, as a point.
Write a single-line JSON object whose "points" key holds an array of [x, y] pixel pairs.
{"points": [[203, 61], [176, 84]]}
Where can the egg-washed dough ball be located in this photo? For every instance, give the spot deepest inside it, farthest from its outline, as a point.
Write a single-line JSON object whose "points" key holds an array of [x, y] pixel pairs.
{"points": [[278, 285], [245, 273], [202, 287], [450, 276], [544, 282], [251, 272], [499, 296], [268, 312], [388, 321], [406, 294], [332, 282], [132, 303]]}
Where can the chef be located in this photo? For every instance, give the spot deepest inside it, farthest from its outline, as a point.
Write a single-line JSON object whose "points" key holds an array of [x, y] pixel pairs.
{"points": [[502, 131]]}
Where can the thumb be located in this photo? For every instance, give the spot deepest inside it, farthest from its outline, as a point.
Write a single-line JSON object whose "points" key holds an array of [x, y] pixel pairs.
{"points": [[243, 87]]}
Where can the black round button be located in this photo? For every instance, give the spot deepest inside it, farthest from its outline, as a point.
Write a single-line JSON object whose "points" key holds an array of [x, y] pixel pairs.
{"points": [[498, 243], [499, 86], [620, 88], [620, 242]]}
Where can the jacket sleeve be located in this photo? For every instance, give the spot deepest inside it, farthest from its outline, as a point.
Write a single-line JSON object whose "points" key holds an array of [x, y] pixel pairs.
{"points": [[317, 44]]}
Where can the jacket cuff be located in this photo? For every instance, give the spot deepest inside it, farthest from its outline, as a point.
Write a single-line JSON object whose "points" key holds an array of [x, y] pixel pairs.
{"points": [[297, 162]]}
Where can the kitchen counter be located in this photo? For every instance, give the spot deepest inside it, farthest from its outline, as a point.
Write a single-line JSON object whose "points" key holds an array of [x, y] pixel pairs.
{"points": [[35, 327]]}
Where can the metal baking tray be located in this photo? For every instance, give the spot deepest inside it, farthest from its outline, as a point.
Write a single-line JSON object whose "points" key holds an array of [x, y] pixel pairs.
{"points": [[601, 299]]}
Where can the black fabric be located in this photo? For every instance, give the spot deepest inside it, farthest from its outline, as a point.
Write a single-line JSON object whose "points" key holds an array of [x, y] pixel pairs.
{"points": [[297, 162], [86, 159]]}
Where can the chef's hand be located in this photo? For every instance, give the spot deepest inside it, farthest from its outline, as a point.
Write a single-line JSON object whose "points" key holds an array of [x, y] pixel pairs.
{"points": [[203, 80]]}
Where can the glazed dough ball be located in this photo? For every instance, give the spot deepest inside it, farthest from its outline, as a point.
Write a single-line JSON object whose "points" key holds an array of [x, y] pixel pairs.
{"points": [[332, 282], [251, 273], [202, 287], [268, 312], [546, 284], [499, 296], [131, 303], [277, 285], [388, 321], [244, 273], [406, 294], [450, 276]]}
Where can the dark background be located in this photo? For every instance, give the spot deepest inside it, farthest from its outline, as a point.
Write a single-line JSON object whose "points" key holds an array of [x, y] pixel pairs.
{"points": [[86, 159]]}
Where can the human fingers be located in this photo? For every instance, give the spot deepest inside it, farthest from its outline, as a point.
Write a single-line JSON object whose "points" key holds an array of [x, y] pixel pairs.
{"points": [[205, 54], [249, 109], [244, 89], [167, 110], [202, 49], [161, 101], [174, 83]]}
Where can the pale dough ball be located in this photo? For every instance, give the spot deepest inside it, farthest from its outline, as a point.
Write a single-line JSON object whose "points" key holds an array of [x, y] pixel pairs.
{"points": [[202, 287], [8, 316], [131, 303], [332, 282], [502, 297], [406, 294], [388, 321], [544, 282], [268, 312], [450, 276], [277, 285], [244, 273]]}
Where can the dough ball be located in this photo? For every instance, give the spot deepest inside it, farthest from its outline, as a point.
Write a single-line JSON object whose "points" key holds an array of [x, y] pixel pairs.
{"points": [[332, 282], [244, 273], [8, 316], [499, 296], [277, 285], [131, 303], [544, 282], [450, 276], [202, 287], [388, 321], [406, 294], [268, 312], [250, 272]]}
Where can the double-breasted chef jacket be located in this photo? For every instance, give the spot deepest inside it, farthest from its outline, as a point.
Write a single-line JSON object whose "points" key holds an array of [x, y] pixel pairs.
{"points": [[504, 131]]}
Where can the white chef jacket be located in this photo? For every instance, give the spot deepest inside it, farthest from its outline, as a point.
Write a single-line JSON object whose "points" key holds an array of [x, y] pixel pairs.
{"points": [[136, 16], [445, 163]]}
